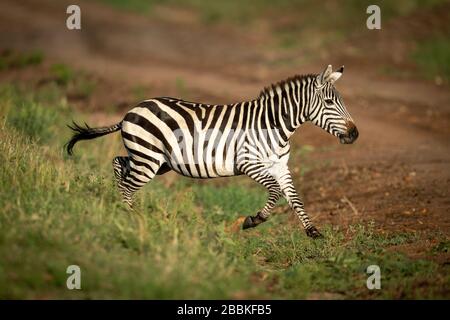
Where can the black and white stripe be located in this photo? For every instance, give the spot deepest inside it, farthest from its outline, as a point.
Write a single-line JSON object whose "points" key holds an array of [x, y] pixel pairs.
{"points": [[207, 141]]}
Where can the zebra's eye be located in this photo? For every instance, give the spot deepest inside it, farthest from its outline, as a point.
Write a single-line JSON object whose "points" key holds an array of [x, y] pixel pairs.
{"points": [[329, 101]]}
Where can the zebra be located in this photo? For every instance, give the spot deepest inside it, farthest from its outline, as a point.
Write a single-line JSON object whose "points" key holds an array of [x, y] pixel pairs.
{"points": [[246, 138]]}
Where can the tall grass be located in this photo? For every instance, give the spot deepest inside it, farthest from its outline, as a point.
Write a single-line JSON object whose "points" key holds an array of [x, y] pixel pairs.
{"points": [[179, 243]]}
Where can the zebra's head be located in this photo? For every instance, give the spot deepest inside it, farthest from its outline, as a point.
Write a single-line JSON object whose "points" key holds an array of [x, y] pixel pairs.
{"points": [[327, 109]]}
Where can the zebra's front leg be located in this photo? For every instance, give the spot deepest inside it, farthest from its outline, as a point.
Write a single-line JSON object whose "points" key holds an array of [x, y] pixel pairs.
{"points": [[284, 179], [274, 194], [263, 215]]}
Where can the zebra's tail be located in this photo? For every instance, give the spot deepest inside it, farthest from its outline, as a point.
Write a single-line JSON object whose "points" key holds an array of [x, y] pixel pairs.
{"points": [[87, 133]]}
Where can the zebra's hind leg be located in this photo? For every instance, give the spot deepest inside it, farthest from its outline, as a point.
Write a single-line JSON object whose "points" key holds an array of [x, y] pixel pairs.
{"points": [[274, 194], [130, 177], [121, 167]]}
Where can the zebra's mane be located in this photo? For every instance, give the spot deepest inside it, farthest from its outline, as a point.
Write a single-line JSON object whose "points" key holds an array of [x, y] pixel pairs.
{"points": [[270, 90]]}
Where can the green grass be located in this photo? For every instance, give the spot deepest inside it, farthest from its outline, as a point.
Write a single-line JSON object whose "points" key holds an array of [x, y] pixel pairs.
{"points": [[227, 202], [34, 120], [77, 83], [432, 57], [62, 73], [58, 211], [10, 59]]}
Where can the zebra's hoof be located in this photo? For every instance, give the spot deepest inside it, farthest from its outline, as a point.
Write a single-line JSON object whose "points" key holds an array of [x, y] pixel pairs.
{"points": [[248, 223], [251, 222], [313, 233]]}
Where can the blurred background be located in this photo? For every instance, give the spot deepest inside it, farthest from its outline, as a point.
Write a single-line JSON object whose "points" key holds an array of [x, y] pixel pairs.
{"points": [[383, 199]]}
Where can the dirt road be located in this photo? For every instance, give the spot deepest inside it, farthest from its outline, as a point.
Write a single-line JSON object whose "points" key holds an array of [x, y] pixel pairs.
{"points": [[398, 172]]}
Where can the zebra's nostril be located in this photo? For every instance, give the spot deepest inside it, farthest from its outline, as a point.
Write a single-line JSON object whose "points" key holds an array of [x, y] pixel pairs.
{"points": [[353, 132]]}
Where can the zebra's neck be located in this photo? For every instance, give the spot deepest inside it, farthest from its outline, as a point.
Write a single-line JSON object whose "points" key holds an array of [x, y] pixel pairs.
{"points": [[286, 104]]}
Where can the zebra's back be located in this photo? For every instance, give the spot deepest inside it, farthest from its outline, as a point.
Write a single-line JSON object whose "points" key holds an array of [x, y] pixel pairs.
{"points": [[195, 140]]}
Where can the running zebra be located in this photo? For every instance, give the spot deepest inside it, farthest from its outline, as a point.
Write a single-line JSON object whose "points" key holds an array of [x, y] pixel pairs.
{"points": [[207, 141]]}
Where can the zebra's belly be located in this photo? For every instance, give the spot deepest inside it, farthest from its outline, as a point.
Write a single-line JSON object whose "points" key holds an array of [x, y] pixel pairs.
{"points": [[204, 169]]}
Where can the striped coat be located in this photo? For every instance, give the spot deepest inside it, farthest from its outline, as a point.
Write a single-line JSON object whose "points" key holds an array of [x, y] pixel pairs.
{"points": [[207, 141]]}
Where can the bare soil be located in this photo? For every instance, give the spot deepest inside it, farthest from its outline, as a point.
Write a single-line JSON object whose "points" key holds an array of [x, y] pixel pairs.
{"points": [[398, 172]]}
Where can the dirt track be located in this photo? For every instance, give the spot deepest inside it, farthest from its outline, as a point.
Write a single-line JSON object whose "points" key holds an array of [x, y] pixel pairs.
{"points": [[398, 172]]}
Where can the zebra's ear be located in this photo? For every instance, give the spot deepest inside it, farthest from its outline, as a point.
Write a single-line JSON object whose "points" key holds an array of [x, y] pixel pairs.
{"points": [[335, 75], [325, 73], [322, 77]]}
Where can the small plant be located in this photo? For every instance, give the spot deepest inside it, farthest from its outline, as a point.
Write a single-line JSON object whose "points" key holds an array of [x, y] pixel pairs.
{"points": [[62, 73], [10, 59], [441, 247]]}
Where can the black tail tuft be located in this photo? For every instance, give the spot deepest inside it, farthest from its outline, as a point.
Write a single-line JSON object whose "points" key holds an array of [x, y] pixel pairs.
{"points": [[86, 133]]}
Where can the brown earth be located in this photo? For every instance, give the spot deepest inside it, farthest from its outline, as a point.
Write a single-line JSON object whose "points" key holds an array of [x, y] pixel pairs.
{"points": [[398, 172]]}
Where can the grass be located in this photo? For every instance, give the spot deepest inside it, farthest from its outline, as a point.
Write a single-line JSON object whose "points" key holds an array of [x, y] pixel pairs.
{"points": [[10, 59], [58, 211], [432, 57], [77, 83], [34, 120], [63, 74]]}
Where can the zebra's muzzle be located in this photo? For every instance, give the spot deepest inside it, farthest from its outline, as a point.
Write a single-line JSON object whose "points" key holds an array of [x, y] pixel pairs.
{"points": [[351, 135]]}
